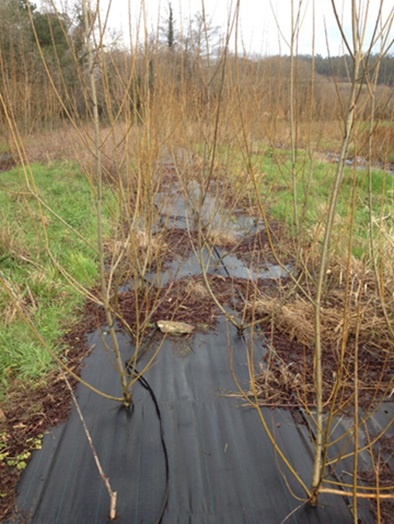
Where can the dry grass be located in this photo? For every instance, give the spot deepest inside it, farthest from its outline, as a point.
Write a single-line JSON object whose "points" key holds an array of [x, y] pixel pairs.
{"points": [[22, 302], [280, 382], [221, 238], [9, 244], [124, 154], [196, 290], [387, 257], [149, 249], [144, 241], [342, 315], [296, 320], [177, 113], [351, 314]]}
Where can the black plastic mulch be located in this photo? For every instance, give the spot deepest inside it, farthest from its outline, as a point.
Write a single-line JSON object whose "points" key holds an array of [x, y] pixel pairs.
{"points": [[222, 467]]}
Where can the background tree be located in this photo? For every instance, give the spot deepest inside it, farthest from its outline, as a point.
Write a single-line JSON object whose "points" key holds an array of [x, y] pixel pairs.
{"points": [[170, 28]]}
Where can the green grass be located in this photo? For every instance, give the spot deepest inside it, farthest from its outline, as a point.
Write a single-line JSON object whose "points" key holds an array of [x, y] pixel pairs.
{"points": [[314, 186], [26, 265], [314, 183]]}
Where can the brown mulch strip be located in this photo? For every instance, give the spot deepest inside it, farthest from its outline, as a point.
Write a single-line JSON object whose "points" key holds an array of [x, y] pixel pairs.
{"points": [[186, 300], [289, 326], [290, 376], [178, 244], [257, 241], [167, 174], [255, 249], [29, 411], [173, 244]]}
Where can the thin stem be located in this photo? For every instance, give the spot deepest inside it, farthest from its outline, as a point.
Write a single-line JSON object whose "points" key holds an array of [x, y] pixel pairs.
{"points": [[127, 400]]}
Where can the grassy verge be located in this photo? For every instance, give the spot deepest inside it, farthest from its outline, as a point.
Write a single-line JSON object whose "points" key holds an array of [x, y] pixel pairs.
{"points": [[38, 285], [314, 186]]}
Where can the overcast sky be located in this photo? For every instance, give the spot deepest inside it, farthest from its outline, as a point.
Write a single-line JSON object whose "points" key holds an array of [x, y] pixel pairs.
{"points": [[258, 28]]}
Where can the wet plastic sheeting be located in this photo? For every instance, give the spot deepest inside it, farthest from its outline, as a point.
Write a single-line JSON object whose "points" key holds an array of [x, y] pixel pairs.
{"points": [[237, 269], [222, 467], [231, 265], [177, 212], [187, 268], [173, 212]]}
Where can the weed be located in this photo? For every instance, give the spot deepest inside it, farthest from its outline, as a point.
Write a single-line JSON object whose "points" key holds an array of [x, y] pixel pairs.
{"points": [[18, 461]]}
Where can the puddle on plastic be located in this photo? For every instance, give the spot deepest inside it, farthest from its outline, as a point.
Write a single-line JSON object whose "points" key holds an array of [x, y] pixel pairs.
{"points": [[177, 211], [230, 267], [181, 213]]}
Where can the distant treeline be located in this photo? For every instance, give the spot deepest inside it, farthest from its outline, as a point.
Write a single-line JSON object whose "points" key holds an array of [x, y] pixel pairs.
{"points": [[340, 67], [44, 74]]}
